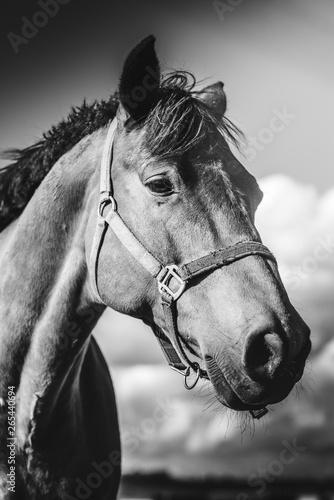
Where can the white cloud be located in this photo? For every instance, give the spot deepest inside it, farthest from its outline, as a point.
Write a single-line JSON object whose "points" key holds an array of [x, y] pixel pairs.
{"points": [[297, 224], [190, 440], [291, 216]]}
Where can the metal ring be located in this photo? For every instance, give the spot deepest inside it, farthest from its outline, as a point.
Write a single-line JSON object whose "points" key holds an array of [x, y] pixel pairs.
{"points": [[104, 202], [191, 386]]}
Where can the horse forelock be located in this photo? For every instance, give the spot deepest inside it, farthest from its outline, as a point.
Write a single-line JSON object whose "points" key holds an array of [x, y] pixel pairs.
{"points": [[179, 121]]}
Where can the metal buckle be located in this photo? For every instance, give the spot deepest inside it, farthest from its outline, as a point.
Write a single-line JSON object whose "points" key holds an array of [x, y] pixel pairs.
{"points": [[163, 283], [184, 372], [106, 200]]}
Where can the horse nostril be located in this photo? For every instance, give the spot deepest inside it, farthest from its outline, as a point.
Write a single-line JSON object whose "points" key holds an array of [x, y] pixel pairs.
{"points": [[263, 355]]}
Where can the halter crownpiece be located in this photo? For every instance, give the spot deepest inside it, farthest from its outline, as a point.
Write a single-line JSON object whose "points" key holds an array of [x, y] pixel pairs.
{"points": [[172, 280]]}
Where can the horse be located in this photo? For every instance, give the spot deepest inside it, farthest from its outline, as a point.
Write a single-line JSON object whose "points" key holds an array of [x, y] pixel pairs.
{"points": [[136, 203]]}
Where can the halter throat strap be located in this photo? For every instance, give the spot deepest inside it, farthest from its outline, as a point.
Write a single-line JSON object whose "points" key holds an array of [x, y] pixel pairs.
{"points": [[172, 280]]}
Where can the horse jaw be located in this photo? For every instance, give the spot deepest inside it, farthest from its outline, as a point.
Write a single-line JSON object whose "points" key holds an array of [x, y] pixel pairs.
{"points": [[244, 333]]}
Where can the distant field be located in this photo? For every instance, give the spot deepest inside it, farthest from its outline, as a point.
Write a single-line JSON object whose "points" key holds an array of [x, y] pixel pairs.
{"points": [[162, 487]]}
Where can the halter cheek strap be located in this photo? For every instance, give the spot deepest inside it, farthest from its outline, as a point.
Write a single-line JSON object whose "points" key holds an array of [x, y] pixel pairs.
{"points": [[172, 280]]}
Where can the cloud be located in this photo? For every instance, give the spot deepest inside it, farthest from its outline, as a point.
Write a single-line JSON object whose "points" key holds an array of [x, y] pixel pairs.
{"points": [[293, 218], [285, 216], [297, 224], [188, 440]]}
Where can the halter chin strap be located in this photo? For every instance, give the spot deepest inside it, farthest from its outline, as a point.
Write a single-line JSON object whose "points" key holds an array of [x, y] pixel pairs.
{"points": [[172, 280]]}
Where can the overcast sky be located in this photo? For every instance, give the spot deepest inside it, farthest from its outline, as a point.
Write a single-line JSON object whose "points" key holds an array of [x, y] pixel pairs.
{"points": [[271, 55]]}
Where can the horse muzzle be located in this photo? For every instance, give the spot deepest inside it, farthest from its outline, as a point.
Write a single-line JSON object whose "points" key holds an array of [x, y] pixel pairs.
{"points": [[264, 375]]}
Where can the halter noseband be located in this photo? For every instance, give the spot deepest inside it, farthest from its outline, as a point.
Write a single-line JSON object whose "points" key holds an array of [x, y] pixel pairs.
{"points": [[172, 280]]}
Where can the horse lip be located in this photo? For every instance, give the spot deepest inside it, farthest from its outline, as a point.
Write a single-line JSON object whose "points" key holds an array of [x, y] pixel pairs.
{"points": [[234, 402], [224, 390], [230, 399]]}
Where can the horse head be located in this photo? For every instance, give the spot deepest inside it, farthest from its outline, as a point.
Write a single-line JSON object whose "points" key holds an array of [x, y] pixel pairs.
{"points": [[186, 202]]}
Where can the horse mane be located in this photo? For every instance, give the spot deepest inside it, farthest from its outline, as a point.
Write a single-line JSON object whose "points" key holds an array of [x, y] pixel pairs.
{"points": [[176, 122], [20, 179]]}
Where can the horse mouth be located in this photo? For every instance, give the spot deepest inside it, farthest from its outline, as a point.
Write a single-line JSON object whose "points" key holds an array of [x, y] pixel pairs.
{"points": [[225, 393], [229, 397]]}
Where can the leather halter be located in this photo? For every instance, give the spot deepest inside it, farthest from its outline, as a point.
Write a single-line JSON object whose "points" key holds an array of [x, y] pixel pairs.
{"points": [[172, 280]]}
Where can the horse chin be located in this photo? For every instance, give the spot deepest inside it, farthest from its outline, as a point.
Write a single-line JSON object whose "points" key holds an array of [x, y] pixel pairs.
{"points": [[231, 400]]}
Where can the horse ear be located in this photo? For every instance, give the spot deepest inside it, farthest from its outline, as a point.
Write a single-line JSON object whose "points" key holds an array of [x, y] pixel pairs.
{"points": [[214, 97], [139, 80]]}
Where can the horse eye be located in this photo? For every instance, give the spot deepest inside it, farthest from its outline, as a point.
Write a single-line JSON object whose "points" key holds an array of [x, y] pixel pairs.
{"points": [[160, 185]]}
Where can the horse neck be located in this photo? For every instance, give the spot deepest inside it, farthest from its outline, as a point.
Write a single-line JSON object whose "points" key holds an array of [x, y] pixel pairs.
{"points": [[46, 308]]}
